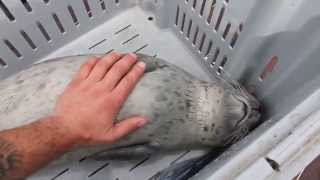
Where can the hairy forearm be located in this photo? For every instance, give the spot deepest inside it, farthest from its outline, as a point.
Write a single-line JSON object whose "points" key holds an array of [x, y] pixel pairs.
{"points": [[28, 148]]}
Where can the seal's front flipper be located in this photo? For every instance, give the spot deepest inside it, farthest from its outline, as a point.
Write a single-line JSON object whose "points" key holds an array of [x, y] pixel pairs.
{"points": [[152, 63], [187, 169], [126, 152]]}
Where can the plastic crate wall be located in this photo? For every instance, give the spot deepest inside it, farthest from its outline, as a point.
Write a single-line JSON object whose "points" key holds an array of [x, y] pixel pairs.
{"points": [[31, 30], [272, 47], [261, 44]]}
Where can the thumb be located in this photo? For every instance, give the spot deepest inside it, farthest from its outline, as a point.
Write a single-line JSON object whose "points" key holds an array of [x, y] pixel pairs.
{"points": [[127, 126]]}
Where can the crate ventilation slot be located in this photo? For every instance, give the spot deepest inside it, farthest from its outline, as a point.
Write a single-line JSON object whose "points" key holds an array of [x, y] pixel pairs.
{"points": [[83, 159], [234, 39], [189, 28], [6, 11], [183, 22], [87, 7], [14, 50], [194, 4], [3, 64], [208, 50], [99, 169], [209, 18], [58, 23], [215, 57], [202, 7], [60, 174], [139, 163], [141, 48], [110, 51], [203, 38], [73, 15], [195, 36], [28, 40], [123, 29], [130, 39], [43, 31], [219, 18], [103, 5], [180, 157], [222, 64], [226, 31], [177, 15], [26, 5], [97, 44]]}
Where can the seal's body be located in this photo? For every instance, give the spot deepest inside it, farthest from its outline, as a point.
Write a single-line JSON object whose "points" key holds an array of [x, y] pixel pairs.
{"points": [[183, 112]]}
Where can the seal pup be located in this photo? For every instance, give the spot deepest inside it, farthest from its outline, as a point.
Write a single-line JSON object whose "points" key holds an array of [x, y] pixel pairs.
{"points": [[183, 112]]}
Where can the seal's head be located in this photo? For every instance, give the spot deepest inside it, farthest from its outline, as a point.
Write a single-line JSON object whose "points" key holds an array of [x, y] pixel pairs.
{"points": [[231, 112], [242, 113]]}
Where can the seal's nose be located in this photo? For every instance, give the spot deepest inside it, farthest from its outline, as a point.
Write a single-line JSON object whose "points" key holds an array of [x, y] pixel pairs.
{"points": [[250, 109], [252, 118], [244, 114]]}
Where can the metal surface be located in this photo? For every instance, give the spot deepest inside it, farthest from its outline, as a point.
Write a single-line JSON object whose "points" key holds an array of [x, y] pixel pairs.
{"points": [[272, 47]]}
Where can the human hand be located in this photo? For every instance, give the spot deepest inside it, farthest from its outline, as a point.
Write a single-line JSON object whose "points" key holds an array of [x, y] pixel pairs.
{"points": [[88, 106]]}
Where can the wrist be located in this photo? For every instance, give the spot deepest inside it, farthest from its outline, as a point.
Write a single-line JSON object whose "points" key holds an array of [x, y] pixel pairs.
{"points": [[69, 137]]}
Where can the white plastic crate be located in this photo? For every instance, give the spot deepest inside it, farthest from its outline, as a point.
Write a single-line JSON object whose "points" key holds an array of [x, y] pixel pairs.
{"points": [[271, 47]]}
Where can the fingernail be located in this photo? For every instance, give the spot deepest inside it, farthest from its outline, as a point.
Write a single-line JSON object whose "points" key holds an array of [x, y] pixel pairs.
{"points": [[142, 122], [141, 64], [133, 55]]}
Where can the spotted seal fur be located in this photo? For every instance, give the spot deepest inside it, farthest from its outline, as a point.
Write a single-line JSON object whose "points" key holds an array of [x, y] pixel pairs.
{"points": [[184, 112]]}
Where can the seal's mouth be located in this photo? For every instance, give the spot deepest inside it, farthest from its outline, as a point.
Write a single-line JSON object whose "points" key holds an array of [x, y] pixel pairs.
{"points": [[251, 111]]}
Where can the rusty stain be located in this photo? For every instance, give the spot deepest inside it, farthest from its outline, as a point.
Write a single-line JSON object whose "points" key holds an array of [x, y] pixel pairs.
{"points": [[269, 68]]}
